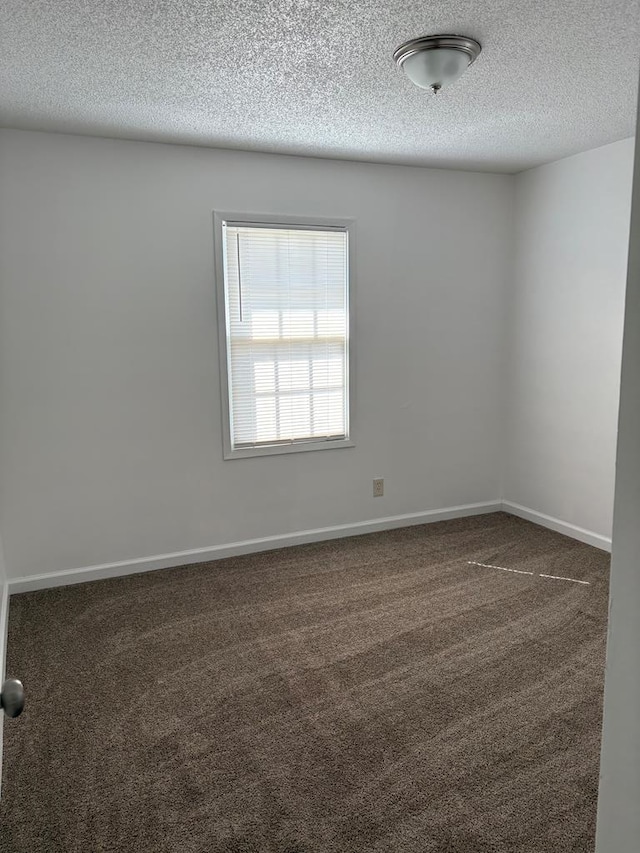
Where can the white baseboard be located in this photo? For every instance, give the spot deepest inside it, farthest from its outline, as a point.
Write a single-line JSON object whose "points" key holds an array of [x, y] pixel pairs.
{"points": [[320, 534], [572, 530], [4, 625], [249, 546]]}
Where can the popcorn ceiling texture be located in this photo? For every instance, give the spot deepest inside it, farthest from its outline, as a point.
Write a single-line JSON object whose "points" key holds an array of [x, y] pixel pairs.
{"points": [[316, 77]]}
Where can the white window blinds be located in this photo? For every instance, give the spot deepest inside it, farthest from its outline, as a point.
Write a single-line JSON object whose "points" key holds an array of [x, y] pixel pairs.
{"points": [[286, 301]]}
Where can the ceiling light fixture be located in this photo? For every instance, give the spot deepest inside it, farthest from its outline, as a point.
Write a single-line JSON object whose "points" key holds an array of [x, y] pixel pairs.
{"points": [[432, 62]]}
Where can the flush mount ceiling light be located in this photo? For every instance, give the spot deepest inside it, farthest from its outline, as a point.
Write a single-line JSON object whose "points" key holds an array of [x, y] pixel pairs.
{"points": [[432, 62]]}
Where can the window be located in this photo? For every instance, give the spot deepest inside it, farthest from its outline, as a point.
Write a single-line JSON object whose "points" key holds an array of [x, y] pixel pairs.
{"points": [[283, 303]]}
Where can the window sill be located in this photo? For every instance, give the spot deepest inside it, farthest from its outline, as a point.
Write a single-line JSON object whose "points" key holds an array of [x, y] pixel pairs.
{"points": [[277, 449]]}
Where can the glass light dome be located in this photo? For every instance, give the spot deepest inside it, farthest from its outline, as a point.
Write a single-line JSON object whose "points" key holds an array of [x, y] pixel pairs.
{"points": [[435, 68], [432, 62]]}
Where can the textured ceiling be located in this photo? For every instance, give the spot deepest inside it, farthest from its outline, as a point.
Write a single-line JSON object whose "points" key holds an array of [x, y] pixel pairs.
{"points": [[316, 76]]}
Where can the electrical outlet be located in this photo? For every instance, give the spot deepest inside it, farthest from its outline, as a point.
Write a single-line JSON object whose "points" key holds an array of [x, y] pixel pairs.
{"points": [[378, 487]]}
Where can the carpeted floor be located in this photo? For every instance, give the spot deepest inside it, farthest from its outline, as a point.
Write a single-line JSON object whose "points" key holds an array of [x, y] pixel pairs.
{"points": [[379, 693]]}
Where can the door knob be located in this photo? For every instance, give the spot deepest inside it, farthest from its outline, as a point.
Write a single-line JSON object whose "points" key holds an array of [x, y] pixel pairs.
{"points": [[12, 697]]}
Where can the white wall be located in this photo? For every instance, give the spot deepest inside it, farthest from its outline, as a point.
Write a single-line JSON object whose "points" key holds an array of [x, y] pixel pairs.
{"points": [[618, 813], [110, 421], [565, 330]]}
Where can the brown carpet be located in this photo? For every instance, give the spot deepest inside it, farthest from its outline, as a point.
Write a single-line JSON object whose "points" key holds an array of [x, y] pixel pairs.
{"points": [[368, 694]]}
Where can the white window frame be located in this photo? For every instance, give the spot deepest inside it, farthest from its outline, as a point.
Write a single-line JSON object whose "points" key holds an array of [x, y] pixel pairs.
{"points": [[302, 446]]}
